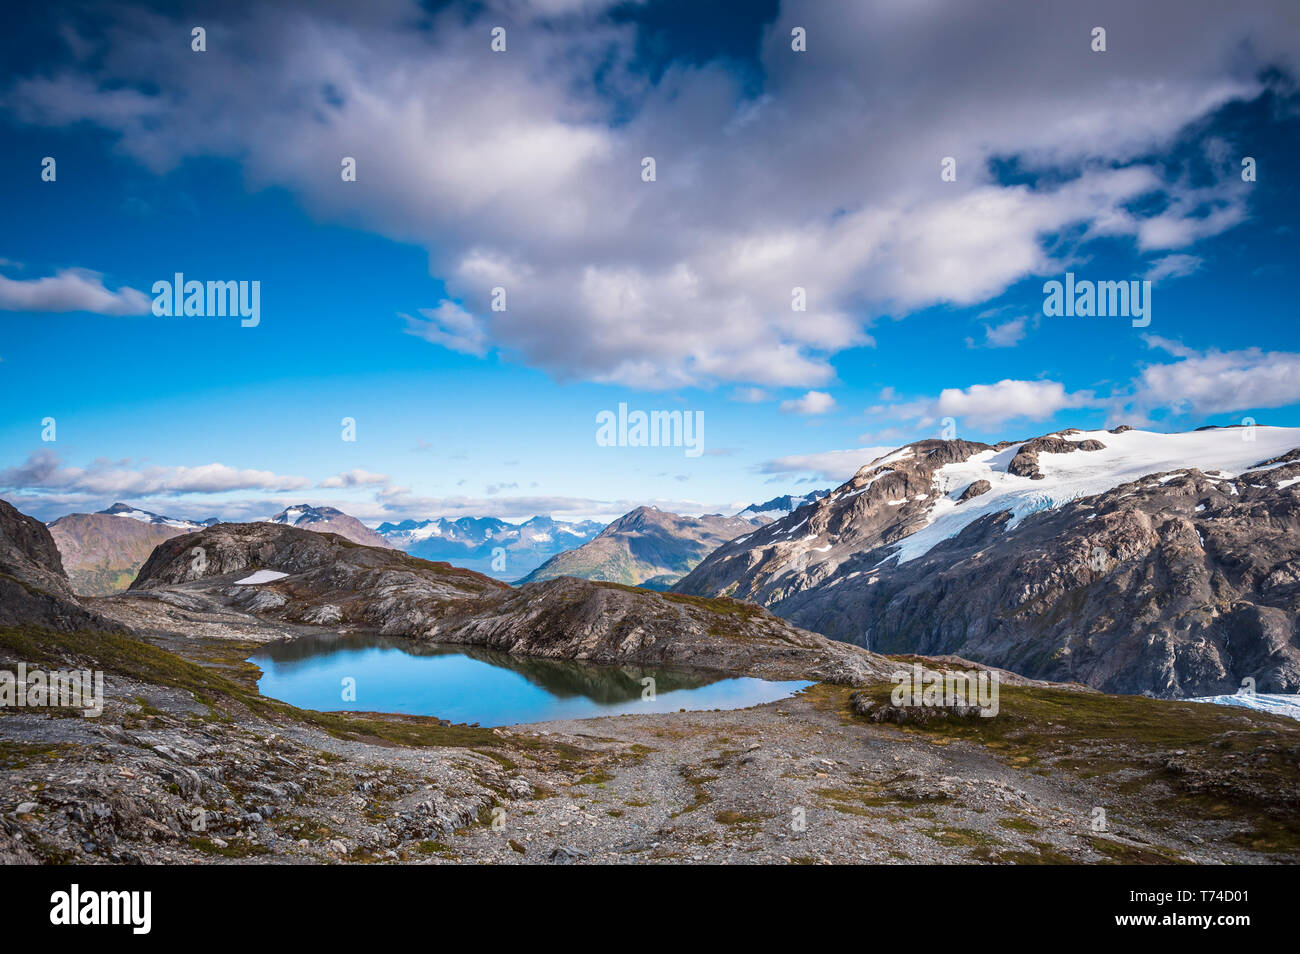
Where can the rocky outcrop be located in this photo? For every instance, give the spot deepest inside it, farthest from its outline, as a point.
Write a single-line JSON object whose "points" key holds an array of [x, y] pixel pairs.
{"points": [[974, 489], [1025, 463], [33, 586], [568, 618], [327, 579], [1181, 582]]}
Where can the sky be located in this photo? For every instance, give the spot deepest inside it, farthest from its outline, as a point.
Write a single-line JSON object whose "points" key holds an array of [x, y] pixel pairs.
{"points": [[914, 175]]}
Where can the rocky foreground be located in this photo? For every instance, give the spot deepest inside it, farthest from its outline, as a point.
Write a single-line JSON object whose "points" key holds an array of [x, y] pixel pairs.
{"points": [[189, 763]]}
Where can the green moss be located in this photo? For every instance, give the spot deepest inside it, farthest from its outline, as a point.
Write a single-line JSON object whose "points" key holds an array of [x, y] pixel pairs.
{"points": [[1240, 766], [237, 848], [728, 817], [1019, 824], [979, 844], [1124, 854], [433, 848], [1043, 854], [16, 755], [597, 776]]}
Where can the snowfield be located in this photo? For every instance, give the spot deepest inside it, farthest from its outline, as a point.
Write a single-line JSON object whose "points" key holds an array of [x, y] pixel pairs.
{"points": [[1126, 457], [1283, 705], [145, 517]]}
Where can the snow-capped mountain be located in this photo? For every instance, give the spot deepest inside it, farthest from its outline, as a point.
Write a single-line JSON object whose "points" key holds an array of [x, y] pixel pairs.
{"points": [[778, 507], [144, 516], [328, 520], [489, 545], [1131, 560]]}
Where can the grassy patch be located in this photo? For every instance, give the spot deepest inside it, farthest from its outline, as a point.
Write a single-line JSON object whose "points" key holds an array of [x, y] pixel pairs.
{"points": [[1161, 759], [237, 848], [1022, 825]]}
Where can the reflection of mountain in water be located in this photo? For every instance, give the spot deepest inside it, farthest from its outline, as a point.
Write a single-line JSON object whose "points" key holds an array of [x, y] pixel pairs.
{"points": [[562, 678]]}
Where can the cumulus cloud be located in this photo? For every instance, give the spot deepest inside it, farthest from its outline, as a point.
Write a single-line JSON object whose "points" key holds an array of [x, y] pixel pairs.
{"points": [[1215, 382], [814, 402], [989, 406], [356, 478], [44, 471], [72, 289], [519, 171]]}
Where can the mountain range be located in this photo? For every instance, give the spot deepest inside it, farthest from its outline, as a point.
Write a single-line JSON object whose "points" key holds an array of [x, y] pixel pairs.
{"points": [[647, 547], [502, 550], [1131, 561]]}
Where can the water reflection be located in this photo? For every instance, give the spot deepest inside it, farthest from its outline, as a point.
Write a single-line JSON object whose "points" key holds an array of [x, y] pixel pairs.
{"points": [[473, 684]]}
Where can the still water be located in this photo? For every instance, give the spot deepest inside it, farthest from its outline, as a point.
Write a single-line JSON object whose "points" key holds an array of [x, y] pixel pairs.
{"points": [[470, 684]]}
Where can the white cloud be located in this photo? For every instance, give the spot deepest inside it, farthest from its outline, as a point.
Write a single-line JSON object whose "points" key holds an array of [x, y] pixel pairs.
{"points": [[518, 170], [44, 471], [451, 326], [1215, 382], [989, 406], [356, 478], [814, 402], [1006, 335], [71, 289], [1172, 266]]}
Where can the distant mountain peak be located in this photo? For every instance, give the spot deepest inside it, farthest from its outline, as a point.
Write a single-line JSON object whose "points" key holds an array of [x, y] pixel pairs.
{"points": [[145, 516], [778, 507], [489, 545], [328, 520]]}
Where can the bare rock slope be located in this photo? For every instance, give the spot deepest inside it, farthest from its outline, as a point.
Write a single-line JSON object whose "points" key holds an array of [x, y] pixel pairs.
{"points": [[33, 586], [102, 552]]}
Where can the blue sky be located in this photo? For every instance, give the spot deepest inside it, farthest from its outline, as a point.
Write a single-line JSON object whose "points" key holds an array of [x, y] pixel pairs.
{"points": [[522, 169]]}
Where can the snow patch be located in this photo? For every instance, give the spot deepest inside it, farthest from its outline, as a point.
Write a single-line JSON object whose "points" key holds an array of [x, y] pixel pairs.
{"points": [[261, 576]]}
